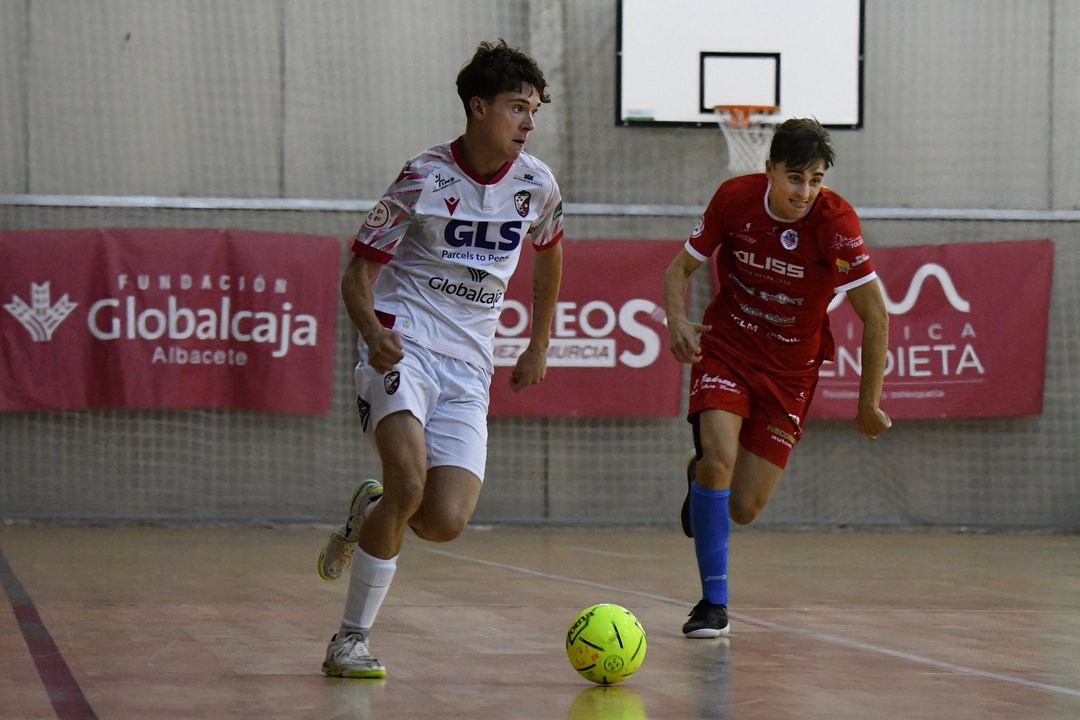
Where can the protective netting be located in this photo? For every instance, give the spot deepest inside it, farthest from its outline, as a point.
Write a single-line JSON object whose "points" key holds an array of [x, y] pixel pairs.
{"points": [[222, 465], [250, 99]]}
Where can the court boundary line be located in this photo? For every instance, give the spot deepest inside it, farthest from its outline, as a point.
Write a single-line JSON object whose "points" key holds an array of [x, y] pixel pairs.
{"points": [[780, 627], [67, 698]]}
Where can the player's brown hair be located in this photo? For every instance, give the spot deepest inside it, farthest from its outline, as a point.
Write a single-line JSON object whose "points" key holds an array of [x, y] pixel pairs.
{"points": [[496, 68], [800, 143]]}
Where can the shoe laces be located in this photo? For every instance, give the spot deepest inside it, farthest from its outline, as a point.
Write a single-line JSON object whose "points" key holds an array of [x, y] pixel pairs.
{"points": [[354, 645], [704, 607]]}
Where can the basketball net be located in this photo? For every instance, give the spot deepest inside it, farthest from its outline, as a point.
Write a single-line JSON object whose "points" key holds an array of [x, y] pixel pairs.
{"points": [[748, 140]]}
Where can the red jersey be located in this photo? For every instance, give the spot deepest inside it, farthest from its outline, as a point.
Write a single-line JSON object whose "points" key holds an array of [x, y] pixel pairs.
{"points": [[777, 277]]}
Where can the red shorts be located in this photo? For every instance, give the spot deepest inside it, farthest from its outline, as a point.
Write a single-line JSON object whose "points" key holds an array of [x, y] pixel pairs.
{"points": [[773, 408]]}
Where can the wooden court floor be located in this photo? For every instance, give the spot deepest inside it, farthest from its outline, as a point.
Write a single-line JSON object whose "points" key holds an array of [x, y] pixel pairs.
{"points": [[221, 622]]}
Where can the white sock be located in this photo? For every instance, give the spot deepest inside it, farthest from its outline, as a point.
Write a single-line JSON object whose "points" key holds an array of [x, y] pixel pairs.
{"points": [[369, 581]]}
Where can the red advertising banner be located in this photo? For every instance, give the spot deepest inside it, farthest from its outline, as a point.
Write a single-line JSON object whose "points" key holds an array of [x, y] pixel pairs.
{"points": [[967, 332], [176, 318], [608, 354]]}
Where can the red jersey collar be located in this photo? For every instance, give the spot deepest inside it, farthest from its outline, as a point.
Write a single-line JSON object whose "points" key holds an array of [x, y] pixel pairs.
{"points": [[455, 150], [777, 218]]}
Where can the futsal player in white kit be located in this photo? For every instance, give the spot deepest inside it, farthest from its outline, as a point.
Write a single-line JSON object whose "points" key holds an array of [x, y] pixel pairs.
{"points": [[424, 288]]}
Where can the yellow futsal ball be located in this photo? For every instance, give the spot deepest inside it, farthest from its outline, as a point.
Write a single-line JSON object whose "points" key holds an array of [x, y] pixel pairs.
{"points": [[605, 644]]}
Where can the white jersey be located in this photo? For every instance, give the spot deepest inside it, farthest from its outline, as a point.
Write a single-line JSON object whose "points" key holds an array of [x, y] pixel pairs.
{"points": [[449, 242]]}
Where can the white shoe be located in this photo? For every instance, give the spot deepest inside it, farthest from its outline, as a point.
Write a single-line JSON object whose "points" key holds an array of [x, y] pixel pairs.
{"points": [[336, 556], [348, 656]]}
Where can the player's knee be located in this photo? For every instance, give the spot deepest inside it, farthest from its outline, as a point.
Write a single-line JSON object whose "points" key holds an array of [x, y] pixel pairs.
{"points": [[714, 472], [403, 497], [441, 529], [743, 512]]}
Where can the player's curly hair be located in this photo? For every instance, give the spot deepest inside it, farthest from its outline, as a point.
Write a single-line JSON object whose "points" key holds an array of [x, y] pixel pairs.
{"points": [[496, 68], [800, 143]]}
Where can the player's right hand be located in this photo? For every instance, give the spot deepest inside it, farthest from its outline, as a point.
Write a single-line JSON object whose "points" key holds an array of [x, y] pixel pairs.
{"points": [[384, 349], [685, 340], [871, 422]]}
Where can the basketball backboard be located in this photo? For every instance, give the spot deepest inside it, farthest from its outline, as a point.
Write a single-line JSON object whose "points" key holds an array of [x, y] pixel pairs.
{"points": [[680, 58]]}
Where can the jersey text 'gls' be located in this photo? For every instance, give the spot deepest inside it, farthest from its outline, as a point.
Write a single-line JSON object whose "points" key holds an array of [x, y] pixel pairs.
{"points": [[777, 277], [449, 242]]}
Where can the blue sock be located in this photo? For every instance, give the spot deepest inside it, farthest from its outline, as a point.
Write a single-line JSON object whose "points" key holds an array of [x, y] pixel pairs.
{"points": [[709, 518]]}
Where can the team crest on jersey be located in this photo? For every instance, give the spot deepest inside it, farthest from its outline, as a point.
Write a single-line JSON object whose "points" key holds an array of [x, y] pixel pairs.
{"points": [[789, 239], [378, 215], [391, 382], [451, 204], [522, 198]]}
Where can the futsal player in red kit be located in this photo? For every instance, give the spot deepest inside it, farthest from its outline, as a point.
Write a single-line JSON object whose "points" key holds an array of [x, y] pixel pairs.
{"points": [[784, 245]]}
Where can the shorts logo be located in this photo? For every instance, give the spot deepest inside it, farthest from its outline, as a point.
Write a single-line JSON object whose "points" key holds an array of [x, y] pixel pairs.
{"points": [[391, 382], [784, 438], [789, 239], [364, 407], [522, 199], [715, 382]]}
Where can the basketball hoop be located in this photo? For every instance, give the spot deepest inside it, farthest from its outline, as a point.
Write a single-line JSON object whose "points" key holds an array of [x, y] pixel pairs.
{"points": [[748, 135]]}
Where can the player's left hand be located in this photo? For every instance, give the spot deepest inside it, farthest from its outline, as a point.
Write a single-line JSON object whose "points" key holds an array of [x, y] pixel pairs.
{"points": [[530, 369], [871, 422]]}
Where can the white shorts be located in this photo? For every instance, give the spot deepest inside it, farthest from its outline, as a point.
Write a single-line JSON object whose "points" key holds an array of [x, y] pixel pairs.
{"points": [[447, 395]]}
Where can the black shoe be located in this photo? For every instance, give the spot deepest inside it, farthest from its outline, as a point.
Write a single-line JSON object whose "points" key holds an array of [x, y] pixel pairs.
{"points": [[706, 621], [691, 473]]}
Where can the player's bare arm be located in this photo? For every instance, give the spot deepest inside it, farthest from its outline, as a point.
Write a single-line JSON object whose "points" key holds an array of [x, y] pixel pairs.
{"points": [[531, 365], [683, 336], [869, 305], [384, 345]]}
